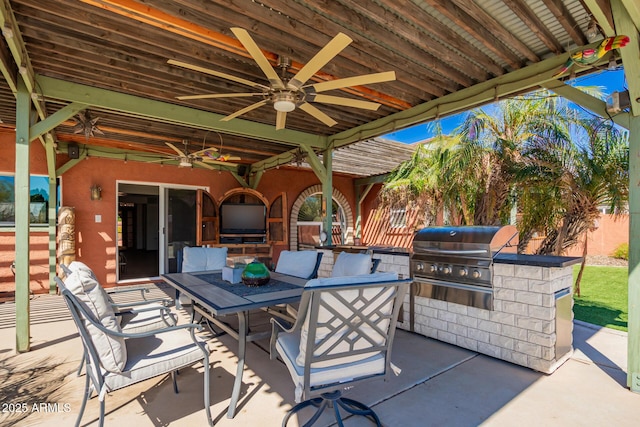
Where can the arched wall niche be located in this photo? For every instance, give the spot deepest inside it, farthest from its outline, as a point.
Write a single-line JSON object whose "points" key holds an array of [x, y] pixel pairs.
{"points": [[310, 191]]}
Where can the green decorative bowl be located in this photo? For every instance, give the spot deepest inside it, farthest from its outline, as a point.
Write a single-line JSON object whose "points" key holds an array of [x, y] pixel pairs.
{"points": [[255, 274]]}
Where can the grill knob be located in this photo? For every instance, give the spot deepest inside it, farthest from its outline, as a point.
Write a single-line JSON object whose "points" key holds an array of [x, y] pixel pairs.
{"points": [[476, 274], [446, 270], [463, 272], [420, 266], [433, 268]]}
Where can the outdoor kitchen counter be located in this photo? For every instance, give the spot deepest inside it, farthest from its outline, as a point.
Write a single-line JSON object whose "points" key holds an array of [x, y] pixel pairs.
{"points": [[537, 260], [393, 250], [531, 321], [391, 258]]}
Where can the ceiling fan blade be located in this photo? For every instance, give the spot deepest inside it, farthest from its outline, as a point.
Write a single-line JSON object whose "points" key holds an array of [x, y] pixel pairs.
{"points": [[204, 150], [217, 74], [221, 162], [355, 81], [326, 54], [217, 95], [204, 165], [281, 120], [176, 149], [257, 55], [313, 111], [347, 102], [244, 110]]}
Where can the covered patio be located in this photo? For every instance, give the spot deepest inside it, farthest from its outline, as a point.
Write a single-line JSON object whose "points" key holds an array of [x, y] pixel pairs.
{"points": [[440, 384], [94, 91]]}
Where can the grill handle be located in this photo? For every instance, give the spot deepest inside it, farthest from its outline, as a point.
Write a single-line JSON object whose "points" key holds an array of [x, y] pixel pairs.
{"points": [[454, 252]]}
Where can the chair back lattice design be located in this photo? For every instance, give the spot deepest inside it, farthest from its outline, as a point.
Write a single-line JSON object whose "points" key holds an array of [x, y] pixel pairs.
{"points": [[347, 324]]}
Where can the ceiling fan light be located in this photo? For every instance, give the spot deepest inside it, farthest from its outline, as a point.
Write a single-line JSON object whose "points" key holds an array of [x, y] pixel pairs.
{"points": [[184, 163], [284, 106], [592, 33]]}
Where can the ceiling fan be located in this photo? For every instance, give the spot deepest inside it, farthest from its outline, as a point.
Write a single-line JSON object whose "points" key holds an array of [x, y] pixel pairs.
{"points": [[186, 159], [286, 94], [201, 157]]}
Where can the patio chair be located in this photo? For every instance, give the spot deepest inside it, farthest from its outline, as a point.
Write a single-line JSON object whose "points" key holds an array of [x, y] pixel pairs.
{"points": [[196, 258], [348, 264], [303, 264], [342, 337], [115, 359], [133, 317]]}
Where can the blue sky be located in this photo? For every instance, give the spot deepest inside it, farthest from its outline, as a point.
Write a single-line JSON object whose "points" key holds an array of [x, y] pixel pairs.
{"points": [[610, 80]]}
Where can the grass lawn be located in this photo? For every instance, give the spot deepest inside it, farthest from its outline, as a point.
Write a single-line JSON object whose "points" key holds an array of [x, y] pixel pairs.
{"points": [[603, 299]]}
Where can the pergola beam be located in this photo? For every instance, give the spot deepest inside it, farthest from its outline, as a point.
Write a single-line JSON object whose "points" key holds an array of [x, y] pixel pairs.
{"points": [[630, 54], [519, 81], [170, 113], [601, 12], [587, 101]]}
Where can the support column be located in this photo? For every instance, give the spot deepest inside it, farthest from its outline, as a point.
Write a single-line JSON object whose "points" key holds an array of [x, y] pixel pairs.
{"points": [[361, 194], [51, 211], [633, 368], [327, 194], [22, 201]]}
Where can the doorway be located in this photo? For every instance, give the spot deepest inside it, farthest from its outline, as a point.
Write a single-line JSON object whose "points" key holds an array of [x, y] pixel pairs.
{"points": [[138, 231], [155, 221]]}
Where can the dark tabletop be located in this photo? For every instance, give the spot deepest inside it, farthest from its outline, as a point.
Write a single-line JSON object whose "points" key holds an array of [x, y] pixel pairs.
{"points": [[221, 297]]}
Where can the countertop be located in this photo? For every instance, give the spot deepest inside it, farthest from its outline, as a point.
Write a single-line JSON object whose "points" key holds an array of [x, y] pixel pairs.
{"points": [[502, 258], [391, 250], [537, 260]]}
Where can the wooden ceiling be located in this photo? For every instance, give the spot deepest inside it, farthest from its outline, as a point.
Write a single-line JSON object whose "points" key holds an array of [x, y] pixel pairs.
{"points": [[448, 56]]}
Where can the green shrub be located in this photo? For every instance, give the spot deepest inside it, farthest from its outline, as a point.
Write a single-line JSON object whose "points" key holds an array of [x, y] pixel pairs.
{"points": [[621, 252]]}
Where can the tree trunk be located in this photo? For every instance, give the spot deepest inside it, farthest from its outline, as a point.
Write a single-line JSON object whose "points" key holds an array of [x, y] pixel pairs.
{"points": [[576, 286]]}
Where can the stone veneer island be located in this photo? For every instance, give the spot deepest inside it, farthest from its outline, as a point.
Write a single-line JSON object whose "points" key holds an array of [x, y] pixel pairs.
{"points": [[531, 323]]}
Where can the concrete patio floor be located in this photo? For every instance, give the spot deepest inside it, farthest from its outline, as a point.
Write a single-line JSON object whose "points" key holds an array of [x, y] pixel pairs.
{"points": [[440, 384]]}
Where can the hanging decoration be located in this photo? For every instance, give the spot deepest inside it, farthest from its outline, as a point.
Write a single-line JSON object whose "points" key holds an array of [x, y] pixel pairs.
{"points": [[590, 56], [87, 125]]}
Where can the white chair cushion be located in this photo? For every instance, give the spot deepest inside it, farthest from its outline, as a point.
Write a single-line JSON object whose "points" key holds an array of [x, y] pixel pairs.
{"points": [[135, 322], [351, 265], [84, 285], [193, 259], [156, 355], [216, 258], [297, 263], [288, 346], [203, 259], [324, 316]]}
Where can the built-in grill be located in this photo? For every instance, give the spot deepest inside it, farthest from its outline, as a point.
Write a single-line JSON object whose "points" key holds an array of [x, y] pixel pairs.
{"points": [[456, 263]]}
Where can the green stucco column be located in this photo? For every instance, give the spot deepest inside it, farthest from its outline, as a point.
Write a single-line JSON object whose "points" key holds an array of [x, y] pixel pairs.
{"points": [[22, 199], [327, 194], [633, 368]]}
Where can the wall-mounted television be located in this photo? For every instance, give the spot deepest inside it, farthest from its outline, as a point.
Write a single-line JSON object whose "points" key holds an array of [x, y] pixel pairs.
{"points": [[243, 218]]}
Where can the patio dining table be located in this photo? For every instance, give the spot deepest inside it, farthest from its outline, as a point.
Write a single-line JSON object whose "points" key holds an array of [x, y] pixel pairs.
{"points": [[212, 297]]}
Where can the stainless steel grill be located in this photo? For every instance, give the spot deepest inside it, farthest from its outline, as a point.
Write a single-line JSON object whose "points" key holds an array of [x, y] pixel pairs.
{"points": [[456, 263]]}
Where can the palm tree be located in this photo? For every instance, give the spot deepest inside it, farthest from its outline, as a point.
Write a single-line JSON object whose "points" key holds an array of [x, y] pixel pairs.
{"points": [[471, 175], [565, 181]]}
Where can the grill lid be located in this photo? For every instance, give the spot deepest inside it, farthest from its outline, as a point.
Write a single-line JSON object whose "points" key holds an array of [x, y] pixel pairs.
{"points": [[485, 239]]}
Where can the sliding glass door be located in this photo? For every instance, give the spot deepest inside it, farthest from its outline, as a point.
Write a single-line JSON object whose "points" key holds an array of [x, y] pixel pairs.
{"points": [[180, 224]]}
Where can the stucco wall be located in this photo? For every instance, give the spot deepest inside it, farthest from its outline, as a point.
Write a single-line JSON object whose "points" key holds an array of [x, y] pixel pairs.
{"points": [[96, 242], [377, 230]]}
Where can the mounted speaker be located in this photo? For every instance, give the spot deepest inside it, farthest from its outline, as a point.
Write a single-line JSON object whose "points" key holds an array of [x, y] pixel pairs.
{"points": [[242, 170], [73, 151]]}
